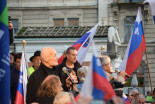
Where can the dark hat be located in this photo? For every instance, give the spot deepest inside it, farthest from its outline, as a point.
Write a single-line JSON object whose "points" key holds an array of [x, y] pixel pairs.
{"points": [[37, 53]]}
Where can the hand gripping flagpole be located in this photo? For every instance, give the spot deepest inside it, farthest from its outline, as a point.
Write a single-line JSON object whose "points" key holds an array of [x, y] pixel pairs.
{"points": [[24, 44]]}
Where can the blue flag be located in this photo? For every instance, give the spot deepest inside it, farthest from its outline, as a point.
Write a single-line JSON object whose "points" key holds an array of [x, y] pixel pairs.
{"points": [[4, 55]]}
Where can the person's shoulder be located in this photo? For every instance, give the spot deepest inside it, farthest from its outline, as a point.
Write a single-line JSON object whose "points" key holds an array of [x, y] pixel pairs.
{"points": [[77, 64], [35, 74]]}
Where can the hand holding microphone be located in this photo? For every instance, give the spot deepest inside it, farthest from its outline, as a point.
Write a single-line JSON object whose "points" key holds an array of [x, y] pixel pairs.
{"points": [[68, 74], [121, 73]]}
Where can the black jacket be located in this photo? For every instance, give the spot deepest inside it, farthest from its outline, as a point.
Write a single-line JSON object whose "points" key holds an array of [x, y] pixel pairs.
{"points": [[46, 100], [63, 76], [35, 81]]}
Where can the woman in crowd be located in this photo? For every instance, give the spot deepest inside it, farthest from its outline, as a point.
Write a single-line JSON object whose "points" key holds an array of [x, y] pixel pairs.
{"points": [[49, 88]]}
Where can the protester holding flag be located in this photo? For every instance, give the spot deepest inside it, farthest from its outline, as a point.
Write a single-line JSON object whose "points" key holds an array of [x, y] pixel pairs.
{"points": [[69, 63], [49, 60], [96, 83], [15, 77], [106, 63]]}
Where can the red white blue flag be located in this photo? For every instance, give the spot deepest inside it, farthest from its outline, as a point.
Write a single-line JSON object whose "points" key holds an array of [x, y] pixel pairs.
{"points": [[4, 54], [136, 47], [22, 82], [96, 83], [82, 45], [152, 5]]}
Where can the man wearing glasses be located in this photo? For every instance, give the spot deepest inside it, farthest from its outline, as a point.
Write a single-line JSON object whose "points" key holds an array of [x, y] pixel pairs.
{"points": [[107, 66]]}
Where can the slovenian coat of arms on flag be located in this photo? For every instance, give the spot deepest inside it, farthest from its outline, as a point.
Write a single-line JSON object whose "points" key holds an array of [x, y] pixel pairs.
{"points": [[136, 47], [22, 82], [82, 45]]}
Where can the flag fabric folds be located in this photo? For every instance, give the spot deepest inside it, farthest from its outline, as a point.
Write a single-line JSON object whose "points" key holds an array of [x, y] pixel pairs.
{"points": [[96, 83], [136, 47], [152, 5], [4, 54], [22, 82], [82, 45]]}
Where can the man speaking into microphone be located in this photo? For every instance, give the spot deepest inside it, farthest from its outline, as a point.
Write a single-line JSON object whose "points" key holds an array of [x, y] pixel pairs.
{"points": [[116, 82], [69, 63], [106, 63]]}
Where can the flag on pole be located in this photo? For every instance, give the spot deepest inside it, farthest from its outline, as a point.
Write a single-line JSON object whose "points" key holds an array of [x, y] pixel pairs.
{"points": [[22, 82], [4, 54], [96, 83], [136, 47], [82, 45], [152, 5]]}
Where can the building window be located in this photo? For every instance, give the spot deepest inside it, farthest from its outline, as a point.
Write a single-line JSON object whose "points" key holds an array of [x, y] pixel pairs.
{"points": [[58, 21], [15, 26], [133, 0], [129, 22], [73, 21]]}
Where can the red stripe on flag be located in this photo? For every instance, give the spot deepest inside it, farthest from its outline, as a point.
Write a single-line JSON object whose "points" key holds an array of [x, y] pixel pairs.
{"points": [[19, 98], [103, 84], [135, 58], [77, 46]]}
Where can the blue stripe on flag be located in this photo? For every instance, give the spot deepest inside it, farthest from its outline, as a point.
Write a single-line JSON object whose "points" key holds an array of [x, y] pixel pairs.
{"points": [[97, 67], [136, 37], [98, 94], [83, 38], [20, 83]]}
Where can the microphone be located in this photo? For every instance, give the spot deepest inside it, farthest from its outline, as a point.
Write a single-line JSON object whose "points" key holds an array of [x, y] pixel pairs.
{"points": [[68, 74], [118, 71]]}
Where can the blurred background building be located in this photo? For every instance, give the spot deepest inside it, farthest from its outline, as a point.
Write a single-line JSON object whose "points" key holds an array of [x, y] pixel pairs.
{"points": [[59, 23]]}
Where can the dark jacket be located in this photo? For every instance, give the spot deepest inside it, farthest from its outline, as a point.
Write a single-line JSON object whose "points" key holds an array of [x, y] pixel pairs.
{"points": [[46, 100], [35, 81], [63, 76], [14, 83], [11, 36]]}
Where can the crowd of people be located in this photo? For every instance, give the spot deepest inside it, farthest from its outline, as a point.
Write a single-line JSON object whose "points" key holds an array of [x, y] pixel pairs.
{"points": [[53, 83]]}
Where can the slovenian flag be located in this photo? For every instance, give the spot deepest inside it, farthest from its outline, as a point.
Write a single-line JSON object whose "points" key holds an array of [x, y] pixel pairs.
{"points": [[152, 5], [82, 45], [4, 54], [96, 84], [136, 47], [22, 82]]}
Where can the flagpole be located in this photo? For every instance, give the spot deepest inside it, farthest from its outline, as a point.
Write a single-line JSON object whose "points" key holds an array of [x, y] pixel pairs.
{"points": [[148, 68], [24, 44]]}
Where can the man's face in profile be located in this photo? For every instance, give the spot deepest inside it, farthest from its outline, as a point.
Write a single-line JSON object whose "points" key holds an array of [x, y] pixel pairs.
{"points": [[52, 59]]}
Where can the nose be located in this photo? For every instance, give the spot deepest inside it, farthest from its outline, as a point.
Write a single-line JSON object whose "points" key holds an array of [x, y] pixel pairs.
{"points": [[57, 57]]}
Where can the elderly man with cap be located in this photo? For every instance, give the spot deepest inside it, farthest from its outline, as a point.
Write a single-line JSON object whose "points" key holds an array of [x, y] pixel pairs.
{"points": [[49, 60], [36, 60]]}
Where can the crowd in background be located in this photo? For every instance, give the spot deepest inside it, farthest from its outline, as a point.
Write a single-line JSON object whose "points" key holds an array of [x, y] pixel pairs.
{"points": [[53, 83]]}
